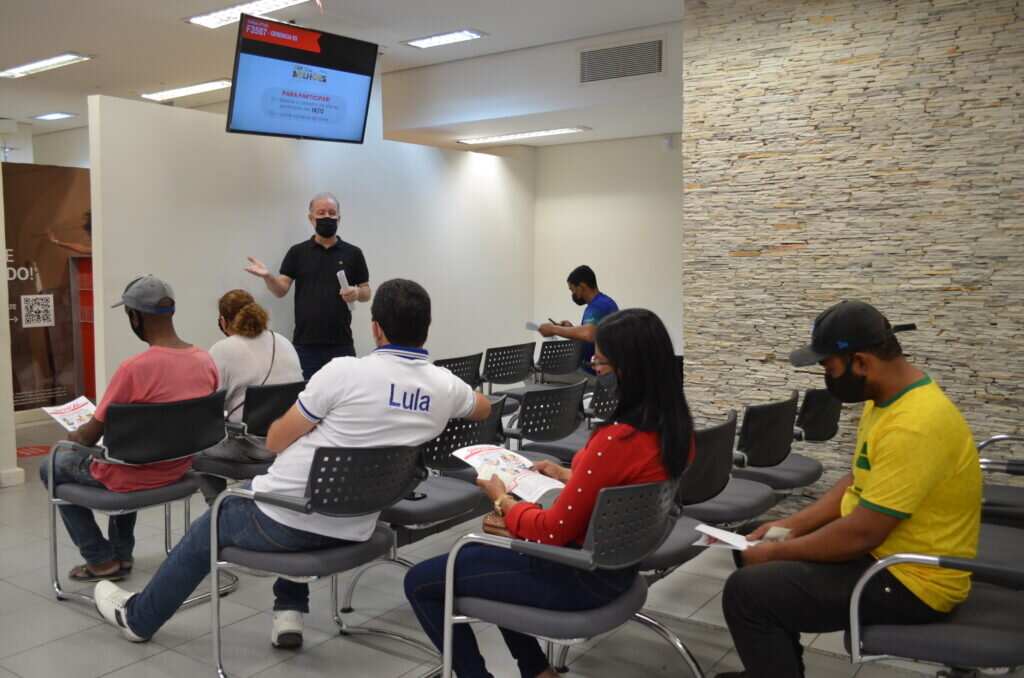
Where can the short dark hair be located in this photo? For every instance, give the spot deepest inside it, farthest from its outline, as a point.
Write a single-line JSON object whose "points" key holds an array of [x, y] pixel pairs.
{"points": [[651, 398], [583, 275], [889, 349], [402, 309]]}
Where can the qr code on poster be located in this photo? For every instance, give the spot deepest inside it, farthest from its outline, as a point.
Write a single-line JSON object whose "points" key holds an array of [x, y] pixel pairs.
{"points": [[37, 310]]}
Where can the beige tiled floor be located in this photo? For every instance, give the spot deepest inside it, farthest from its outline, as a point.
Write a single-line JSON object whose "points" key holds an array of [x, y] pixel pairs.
{"points": [[40, 637]]}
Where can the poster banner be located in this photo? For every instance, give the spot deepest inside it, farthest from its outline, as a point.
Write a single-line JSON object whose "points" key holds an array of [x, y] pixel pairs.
{"points": [[48, 233]]}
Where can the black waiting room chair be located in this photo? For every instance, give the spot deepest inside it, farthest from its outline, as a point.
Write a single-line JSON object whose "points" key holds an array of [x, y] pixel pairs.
{"points": [[627, 524], [508, 365], [466, 368], [343, 482], [817, 420], [557, 357], [551, 414], [459, 433], [601, 408], [263, 405], [136, 434], [1002, 504]]}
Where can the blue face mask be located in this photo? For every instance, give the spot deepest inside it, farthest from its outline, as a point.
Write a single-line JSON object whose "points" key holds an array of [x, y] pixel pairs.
{"points": [[610, 382]]}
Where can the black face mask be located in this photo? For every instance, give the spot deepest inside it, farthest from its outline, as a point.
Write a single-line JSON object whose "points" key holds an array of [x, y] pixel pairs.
{"points": [[579, 301], [326, 227], [847, 387], [139, 330], [610, 382]]}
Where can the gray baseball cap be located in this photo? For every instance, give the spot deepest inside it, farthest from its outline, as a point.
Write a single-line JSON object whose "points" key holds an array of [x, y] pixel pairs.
{"points": [[145, 294]]}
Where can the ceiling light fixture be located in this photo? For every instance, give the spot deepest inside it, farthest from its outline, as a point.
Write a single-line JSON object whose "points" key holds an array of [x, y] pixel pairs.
{"points": [[179, 92], [223, 17], [444, 38], [54, 116], [524, 135], [65, 59]]}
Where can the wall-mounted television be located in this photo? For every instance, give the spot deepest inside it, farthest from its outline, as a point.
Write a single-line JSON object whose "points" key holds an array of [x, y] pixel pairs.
{"points": [[296, 82]]}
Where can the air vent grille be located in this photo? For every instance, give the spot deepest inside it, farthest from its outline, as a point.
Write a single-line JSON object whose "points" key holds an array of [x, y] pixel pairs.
{"points": [[622, 61]]}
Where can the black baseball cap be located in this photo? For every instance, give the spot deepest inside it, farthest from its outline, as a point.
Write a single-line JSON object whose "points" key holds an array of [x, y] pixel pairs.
{"points": [[849, 325]]}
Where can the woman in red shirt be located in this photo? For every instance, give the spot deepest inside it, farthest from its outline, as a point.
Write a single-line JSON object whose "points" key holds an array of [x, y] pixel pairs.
{"points": [[649, 439]]}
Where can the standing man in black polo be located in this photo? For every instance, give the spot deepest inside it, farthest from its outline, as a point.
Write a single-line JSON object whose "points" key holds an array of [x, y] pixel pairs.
{"points": [[323, 321]]}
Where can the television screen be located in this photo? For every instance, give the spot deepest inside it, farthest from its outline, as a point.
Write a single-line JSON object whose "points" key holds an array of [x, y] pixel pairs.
{"points": [[296, 82]]}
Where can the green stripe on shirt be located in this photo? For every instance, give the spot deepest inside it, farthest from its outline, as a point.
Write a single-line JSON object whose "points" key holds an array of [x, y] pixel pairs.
{"points": [[881, 509]]}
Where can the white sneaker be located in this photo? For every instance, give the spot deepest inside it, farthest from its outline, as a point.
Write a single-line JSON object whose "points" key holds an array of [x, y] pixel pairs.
{"points": [[112, 603], [287, 631]]}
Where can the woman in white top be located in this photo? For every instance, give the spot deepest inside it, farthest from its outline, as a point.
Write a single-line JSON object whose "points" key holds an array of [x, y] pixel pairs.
{"points": [[250, 355]]}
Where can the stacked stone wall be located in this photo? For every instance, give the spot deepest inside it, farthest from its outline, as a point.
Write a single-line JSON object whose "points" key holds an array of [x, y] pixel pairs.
{"points": [[867, 149]]}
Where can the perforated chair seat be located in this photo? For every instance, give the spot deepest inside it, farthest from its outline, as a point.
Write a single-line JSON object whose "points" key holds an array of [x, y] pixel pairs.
{"points": [[564, 449], [740, 501], [1002, 495], [677, 549], [321, 563], [558, 624], [796, 470], [101, 499], [229, 469], [983, 632], [445, 499]]}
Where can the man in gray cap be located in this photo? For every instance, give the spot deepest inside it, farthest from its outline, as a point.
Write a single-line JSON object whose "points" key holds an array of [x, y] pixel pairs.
{"points": [[914, 487], [170, 370]]}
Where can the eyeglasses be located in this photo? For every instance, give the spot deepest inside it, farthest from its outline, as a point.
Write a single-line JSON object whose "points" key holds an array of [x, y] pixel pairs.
{"points": [[594, 362]]}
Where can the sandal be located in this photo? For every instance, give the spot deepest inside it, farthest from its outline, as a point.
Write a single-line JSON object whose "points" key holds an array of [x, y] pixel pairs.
{"points": [[83, 573], [126, 565]]}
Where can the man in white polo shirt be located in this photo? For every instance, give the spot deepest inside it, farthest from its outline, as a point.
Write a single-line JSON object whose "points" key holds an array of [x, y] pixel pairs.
{"points": [[394, 396]]}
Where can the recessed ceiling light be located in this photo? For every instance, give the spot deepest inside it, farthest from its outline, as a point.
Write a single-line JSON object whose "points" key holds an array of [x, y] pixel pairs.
{"points": [[54, 116], [65, 59], [223, 17], [524, 135], [186, 91], [444, 38]]}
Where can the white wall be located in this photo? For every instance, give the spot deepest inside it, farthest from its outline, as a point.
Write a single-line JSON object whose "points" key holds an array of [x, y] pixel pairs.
{"points": [[615, 206], [20, 142], [176, 196], [69, 148], [10, 473]]}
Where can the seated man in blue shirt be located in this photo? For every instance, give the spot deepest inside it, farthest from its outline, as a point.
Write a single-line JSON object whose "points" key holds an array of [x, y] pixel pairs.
{"points": [[583, 287]]}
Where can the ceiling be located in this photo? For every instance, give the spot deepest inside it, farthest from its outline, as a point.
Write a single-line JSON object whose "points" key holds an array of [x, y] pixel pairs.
{"points": [[145, 45]]}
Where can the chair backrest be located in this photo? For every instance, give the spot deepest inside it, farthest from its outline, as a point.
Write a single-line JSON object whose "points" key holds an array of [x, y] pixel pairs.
{"points": [[466, 368], [629, 522], [266, 404], [145, 433], [560, 357], [766, 434], [552, 413], [818, 417], [459, 433], [709, 471], [508, 364], [347, 481], [603, 403]]}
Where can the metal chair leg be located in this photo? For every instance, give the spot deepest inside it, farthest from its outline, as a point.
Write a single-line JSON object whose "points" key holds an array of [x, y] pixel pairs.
{"points": [[660, 629], [346, 630], [392, 558], [559, 664]]}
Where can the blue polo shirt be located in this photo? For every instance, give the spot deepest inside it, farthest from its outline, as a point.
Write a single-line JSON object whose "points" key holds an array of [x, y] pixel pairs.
{"points": [[599, 307]]}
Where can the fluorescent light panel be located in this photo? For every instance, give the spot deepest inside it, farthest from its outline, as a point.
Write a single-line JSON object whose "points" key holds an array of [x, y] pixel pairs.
{"points": [[524, 135], [230, 15], [65, 59], [54, 116], [179, 92], [444, 39]]}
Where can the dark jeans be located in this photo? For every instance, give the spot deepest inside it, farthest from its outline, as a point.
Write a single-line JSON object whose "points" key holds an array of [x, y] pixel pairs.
{"points": [[314, 356], [502, 575], [767, 606], [241, 524], [72, 466]]}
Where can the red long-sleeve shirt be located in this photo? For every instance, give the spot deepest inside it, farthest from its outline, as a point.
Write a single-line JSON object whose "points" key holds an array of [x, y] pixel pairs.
{"points": [[610, 458]]}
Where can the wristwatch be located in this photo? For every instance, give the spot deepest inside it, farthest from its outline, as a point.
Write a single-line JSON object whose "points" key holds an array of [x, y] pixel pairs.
{"points": [[497, 503]]}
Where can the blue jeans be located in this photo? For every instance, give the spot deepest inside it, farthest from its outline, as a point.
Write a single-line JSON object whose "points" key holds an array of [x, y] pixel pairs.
{"points": [[314, 356], [502, 575], [72, 466], [241, 524]]}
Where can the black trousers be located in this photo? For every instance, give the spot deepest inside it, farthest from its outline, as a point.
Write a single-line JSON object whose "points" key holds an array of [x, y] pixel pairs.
{"points": [[767, 606]]}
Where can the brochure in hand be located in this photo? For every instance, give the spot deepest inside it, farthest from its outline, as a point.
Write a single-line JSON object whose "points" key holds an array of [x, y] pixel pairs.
{"points": [[713, 536], [515, 470], [73, 414]]}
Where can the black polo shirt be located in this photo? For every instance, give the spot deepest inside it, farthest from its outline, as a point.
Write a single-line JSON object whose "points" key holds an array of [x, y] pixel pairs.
{"points": [[321, 315]]}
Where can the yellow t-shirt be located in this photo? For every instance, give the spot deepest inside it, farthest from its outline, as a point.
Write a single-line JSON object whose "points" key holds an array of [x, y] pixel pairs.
{"points": [[916, 460]]}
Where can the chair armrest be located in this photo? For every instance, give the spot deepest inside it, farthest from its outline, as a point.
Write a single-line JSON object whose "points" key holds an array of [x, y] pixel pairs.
{"points": [[998, 439], [285, 501], [1014, 514], [557, 554], [997, 574], [798, 433], [516, 433], [1014, 467], [739, 459], [95, 450]]}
